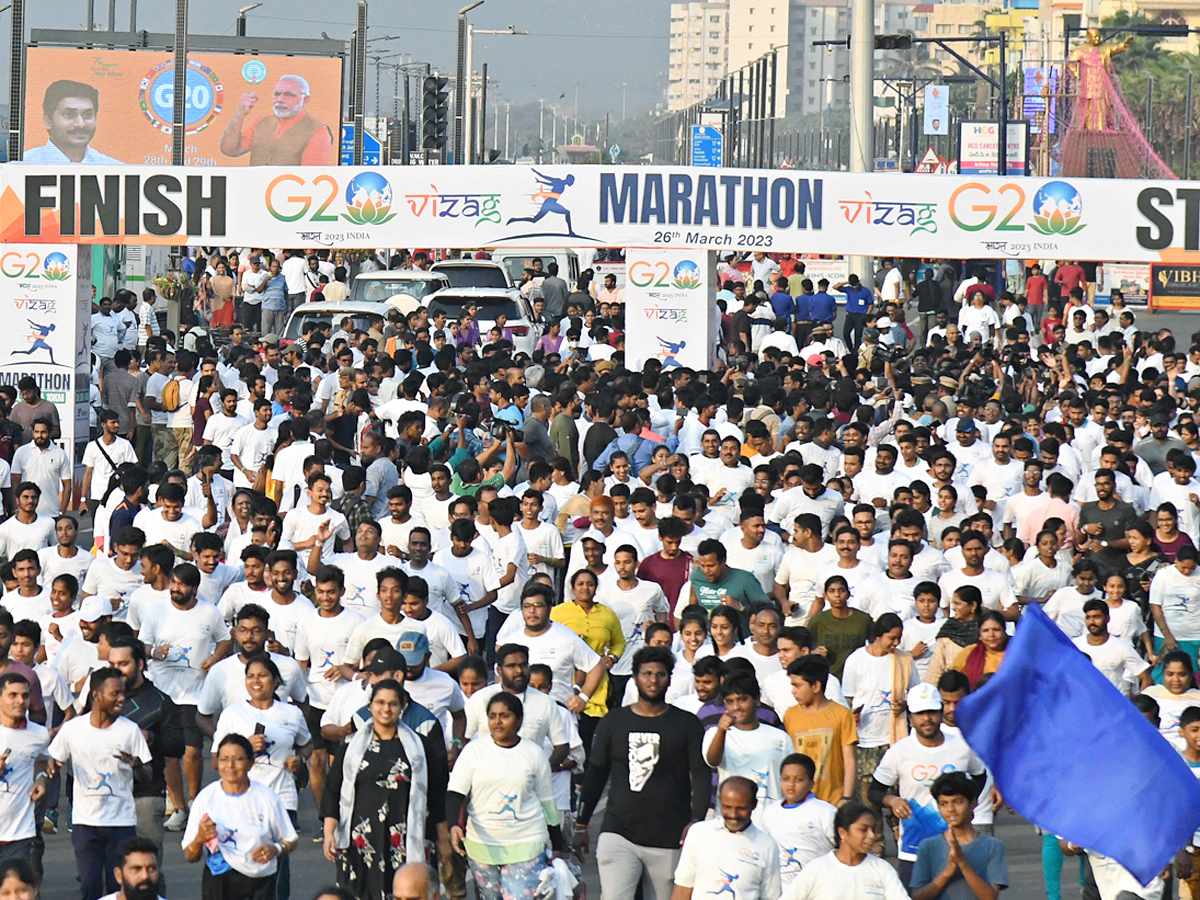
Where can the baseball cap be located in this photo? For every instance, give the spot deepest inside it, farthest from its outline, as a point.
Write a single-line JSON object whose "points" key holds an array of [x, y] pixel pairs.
{"points": [[270, 338], [816, 360], [386, 660], [413, 646], [967, 424], [94, 608], [346, 370], [884, 322], [924, 697], [1160, 419]]}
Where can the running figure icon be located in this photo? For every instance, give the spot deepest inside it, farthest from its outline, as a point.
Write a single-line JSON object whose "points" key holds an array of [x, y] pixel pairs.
{"points": [[38, 337], [552, 189]]}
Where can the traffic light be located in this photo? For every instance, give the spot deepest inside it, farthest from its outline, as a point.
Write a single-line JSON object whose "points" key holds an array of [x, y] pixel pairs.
{"points": [[433, 112], [893, 42]]}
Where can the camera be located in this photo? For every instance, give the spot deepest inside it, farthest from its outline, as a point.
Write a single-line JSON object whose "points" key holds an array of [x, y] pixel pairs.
{"points": [[500, 429], [886, 352]]}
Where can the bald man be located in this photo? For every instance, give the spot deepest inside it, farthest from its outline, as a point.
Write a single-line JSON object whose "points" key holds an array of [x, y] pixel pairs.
{"points": [[415, 881], [288, 137]]}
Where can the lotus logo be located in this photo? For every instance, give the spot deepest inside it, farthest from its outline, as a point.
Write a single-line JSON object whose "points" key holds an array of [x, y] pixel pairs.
{"points": [[369, 199], [686, 275], [56, 267], [1057, 209]]}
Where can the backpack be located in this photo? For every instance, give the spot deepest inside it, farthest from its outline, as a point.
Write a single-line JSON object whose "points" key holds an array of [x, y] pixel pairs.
{"points": [[170, 398]]}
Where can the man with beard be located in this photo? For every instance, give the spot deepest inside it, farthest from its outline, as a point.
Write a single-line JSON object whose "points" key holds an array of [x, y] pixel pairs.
{"points": [[157, 716], [541, 719], [184, 639], [47, 466], [107, 754], [226, 681], [79, 656], [649, 754], [927, 749], [137, 871], [288, 137]]}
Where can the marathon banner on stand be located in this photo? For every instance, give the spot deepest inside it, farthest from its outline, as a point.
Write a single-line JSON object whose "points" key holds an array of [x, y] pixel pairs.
{"points": [[603, 206]]}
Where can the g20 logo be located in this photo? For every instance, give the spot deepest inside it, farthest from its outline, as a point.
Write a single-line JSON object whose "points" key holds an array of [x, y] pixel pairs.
{"points": [[53, 267], [1057, 208], [203, 101], [367, 199]]}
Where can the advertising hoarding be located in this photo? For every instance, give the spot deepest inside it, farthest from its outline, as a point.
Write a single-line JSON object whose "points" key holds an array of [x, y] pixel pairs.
{"points": [[116, 106]]}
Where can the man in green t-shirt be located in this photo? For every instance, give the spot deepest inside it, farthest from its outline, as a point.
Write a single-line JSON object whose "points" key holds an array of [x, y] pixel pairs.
{"points": [[713, 583]]}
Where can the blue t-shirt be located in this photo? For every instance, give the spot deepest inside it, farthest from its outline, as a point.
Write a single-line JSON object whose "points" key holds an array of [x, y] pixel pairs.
{"points": [[824, 307], [804, 307], [275, 293], [783, 305], [857, 299], [985, 854]]}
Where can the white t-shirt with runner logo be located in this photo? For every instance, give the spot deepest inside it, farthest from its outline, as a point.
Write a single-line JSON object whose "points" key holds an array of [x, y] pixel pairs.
{"points": [[103, 795], [24, 747], [192, 634], [321, 642], [867, 681]]}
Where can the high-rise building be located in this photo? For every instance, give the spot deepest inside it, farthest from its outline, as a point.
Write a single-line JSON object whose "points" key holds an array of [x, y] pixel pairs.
{"points": [[756, 27], [699, 51]]}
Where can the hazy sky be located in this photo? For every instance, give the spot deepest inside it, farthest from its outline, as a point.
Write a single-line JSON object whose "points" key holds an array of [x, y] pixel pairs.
{"points": [[598, 45]]}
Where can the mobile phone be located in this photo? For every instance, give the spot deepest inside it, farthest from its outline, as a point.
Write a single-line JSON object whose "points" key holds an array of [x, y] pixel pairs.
{"points": [[260, 728]]}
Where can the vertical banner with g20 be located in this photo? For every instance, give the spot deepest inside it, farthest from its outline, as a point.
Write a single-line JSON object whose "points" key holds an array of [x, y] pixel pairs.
{"points": [[668, 309], [45, 311]]}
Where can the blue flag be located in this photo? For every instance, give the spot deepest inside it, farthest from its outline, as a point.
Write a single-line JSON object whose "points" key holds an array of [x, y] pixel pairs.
{"points": [[1075, 757]]}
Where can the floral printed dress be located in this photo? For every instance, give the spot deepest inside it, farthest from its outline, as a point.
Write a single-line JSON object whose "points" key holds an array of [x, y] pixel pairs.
{"points": [[378, 820]]}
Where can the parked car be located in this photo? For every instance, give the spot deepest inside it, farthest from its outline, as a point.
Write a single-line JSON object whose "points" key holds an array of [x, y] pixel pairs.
{"points": [[395, 285], [489, 303], [517, 260], [332, 314], [474, 273]]}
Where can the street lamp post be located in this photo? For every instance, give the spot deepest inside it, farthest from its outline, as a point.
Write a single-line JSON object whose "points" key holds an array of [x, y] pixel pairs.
{"points": [[241, 18], [470, 84], [461, 79]]}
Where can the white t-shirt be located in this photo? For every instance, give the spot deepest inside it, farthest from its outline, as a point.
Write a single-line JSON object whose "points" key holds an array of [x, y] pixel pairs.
{"points": [[119, 451], [442, 588], [142, 601], [475, 575], [110, 582], [756, 754], [157, 529], [438, 693], [506, 788], [24, 746], [541, 719], [238, 595], [226, 683], [252, 447], [1125, 621], [918, 632], [507, 550], [1035, 579], [798, 571], [213, 586], [867, 681], [33, 608], [362, 585], [1065, 607], [545, 541], [716, 861], [103, 794], [54, 565], [1116, 659], [777, 692], [762, 561], [286, 618], [244, 822], [828, 878], [220, 431], [192, 635], [912, 767], [803, 832], [15, 535], [563, 651], [1179, 597], [997, 590], [285, 731], [635, 608], [321, 642], [301, 524]]}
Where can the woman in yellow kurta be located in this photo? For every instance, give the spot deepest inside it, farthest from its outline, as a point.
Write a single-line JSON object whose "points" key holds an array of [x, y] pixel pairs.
{"points": [[599, 628]]}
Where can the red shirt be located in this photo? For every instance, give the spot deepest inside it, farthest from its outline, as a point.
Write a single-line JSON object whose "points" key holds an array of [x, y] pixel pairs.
{"points": [[1035, 290], [669, 574], [1070, 277]]}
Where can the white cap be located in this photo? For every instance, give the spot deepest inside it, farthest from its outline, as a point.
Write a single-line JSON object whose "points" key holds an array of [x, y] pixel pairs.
{"points": [[924, 698], [94, 608], [884, 322]]}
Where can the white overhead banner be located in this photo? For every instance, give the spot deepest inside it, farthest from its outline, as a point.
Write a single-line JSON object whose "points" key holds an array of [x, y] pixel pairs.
{"points": [[598, 206], [670, 308], [45, 329]]}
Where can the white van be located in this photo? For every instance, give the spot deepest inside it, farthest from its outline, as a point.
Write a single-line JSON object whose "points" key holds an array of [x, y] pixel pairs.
{"points": [[518, 260]]}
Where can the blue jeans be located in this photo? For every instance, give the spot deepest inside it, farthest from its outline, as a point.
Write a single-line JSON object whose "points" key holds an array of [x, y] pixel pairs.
{"points": [[96, 856]]}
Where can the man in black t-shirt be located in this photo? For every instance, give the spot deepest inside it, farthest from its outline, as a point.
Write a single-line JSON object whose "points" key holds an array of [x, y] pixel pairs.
{"points": [[650, 756]]}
